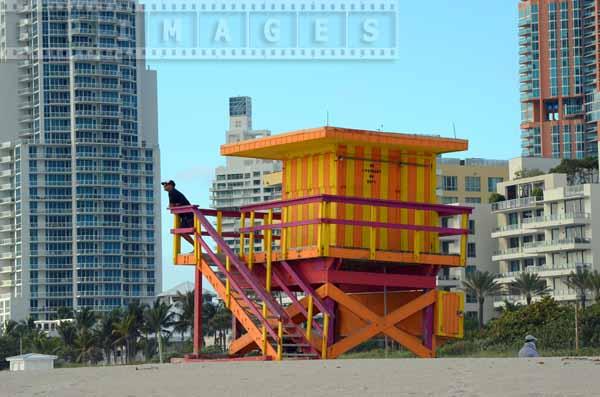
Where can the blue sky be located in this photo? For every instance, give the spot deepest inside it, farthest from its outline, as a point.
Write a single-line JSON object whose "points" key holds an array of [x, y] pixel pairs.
{"points": [[457, 64]]}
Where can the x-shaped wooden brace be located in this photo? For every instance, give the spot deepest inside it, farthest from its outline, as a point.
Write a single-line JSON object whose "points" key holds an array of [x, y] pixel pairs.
{"points": [[378, 324]]}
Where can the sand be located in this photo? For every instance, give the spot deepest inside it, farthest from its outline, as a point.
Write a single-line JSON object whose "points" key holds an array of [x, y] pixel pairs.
{"points": [[343, 378]]}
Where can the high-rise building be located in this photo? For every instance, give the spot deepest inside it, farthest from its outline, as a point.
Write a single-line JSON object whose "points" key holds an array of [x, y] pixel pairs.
{"points": [[240, 181], [79, 161], [469, 181], [560, 96]]}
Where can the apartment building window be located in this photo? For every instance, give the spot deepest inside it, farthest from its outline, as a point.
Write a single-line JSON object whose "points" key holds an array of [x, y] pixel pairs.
{"points": [[450, 183], [471, 226], [575, 232], [493, 182], [473, 200], [445, 221], [472, 184], [471, 251], [555, 141], [567, 142], [574, 206], [449, 200], [514, 266], [445, 247]]}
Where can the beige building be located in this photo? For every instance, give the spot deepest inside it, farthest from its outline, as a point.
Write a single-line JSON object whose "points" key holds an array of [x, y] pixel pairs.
{"points": [[469, 181], [480, 248], [545, 226]]}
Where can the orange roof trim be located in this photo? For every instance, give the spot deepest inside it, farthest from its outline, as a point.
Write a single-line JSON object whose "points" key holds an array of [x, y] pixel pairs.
{"points": [[282, 146]]}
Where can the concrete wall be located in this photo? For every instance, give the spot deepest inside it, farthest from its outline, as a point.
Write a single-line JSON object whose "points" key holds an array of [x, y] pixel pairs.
{"points": [[31, 365], [530, 163], [9, 114]]}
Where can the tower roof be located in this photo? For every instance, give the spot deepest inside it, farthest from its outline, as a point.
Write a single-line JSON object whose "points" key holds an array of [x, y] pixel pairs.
{"points": [[286, 145]]}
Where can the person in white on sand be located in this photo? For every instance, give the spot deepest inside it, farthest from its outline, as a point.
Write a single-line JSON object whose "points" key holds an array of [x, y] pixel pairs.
{"points": [[529, 349]]}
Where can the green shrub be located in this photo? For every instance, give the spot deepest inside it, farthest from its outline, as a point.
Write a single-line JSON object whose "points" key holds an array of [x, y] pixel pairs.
{"points": [[496, 198], [459, 348], [552, 324], [9, 347], [590, 326]]}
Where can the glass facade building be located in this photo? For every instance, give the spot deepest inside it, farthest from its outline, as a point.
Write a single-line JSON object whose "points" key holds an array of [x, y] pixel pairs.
{"points": [[558, 57], [81, 164]]}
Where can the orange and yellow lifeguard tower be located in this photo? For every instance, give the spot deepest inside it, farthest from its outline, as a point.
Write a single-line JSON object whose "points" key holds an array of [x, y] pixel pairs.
{"points": [[355, 235]]}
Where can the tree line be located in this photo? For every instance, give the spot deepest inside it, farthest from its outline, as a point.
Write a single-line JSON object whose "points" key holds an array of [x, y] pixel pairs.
{"points": [[482, 285], [134, 333]]}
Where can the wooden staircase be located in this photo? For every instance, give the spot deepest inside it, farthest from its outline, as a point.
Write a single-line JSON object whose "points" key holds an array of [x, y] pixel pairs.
{"points": [[266, 321]]}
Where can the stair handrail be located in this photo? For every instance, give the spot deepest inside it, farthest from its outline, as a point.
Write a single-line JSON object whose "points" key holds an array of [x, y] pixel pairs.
{"points": [[236, 286], [227, 251], [307, 289]]}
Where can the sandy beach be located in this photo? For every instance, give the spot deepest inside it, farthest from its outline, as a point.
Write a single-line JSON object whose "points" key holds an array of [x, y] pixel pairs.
{"points": [[442, 377]]}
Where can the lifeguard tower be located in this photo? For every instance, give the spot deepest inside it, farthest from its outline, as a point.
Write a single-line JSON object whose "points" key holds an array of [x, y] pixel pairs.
{"points": [[353, 246]]}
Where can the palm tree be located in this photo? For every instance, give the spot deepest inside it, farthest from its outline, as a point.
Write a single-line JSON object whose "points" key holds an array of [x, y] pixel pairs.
{"points": [[104, 333], [85, 319], [184, 302], [594, 284], [18, 330], [125, 331], [135, 309], [219, 324], [10, 328], [508, 307], [85, 346], [481, 284], [580, 282], [158, 318], [68, 334], [530, 285], [64, 312]]}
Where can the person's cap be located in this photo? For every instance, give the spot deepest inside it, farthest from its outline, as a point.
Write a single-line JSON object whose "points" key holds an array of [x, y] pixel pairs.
{"points": [[169, 182], [530, 338]]}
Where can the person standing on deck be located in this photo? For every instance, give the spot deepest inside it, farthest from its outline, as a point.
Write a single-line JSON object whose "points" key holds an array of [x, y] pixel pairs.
{"points": [[177, 199]]}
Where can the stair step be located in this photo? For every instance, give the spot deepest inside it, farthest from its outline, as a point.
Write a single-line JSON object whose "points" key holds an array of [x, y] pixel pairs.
{"points": [[300, 355], [295, 345], [295, 336]]}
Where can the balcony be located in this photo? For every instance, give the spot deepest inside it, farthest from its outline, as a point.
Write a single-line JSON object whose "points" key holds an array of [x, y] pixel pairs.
{"points": [[52, 294], [546, 221], [524, 31], [575, 243], [575, 191], [513, 253], [516, 204], [6, 269], [99, 293], [512, 230], [54, 281], [6, 214], [544, 271], [7, 284], [448, 282], [99, 279]]}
